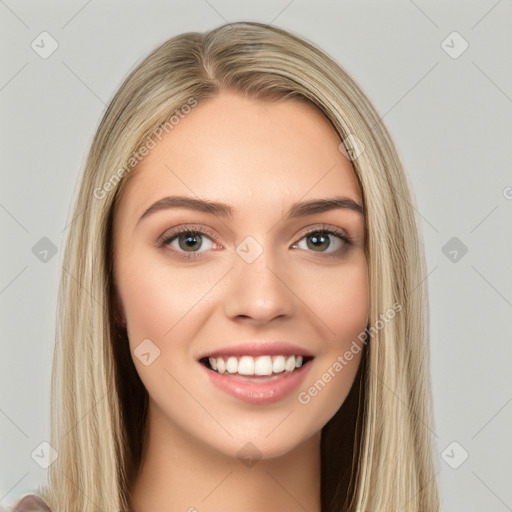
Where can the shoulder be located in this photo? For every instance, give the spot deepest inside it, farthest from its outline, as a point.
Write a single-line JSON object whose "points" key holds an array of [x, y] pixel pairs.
{"points": [[31, 503]]}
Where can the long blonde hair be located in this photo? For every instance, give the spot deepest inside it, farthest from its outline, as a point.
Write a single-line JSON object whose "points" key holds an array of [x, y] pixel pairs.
{"points": [[99, 404]]}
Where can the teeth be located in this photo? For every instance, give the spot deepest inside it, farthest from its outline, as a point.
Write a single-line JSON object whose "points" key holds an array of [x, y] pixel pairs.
{"points": [[220, 363], [290, 364], [279, 364], [246, 366], [232, 365], [261, 365]]}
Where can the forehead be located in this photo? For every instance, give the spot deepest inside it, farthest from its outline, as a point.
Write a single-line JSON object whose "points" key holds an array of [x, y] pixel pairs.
{"points": [[245, 152]]}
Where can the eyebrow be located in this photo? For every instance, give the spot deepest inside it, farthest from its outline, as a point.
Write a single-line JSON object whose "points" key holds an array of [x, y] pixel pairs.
{"points": [[299, 209]]}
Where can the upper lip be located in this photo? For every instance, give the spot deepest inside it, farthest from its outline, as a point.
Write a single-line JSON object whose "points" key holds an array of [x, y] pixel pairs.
{"points": [[259, 348]]}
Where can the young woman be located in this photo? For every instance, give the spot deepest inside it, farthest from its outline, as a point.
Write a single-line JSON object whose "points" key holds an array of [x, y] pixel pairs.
{"points": [[242, 316]]}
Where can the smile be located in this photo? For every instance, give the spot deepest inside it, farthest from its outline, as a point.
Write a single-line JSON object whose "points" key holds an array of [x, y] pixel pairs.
{"points": [[260, 380], [264, 365]]}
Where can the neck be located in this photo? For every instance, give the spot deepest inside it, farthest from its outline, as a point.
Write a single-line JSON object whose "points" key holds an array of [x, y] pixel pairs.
{"points": [[180, 472]]}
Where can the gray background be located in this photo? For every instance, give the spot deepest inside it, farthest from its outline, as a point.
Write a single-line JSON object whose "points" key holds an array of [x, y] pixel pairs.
{"points": [[449, 114]]}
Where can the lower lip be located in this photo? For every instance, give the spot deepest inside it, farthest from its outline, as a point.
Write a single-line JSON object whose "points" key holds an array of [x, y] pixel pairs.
{"points": [[259, 393]]}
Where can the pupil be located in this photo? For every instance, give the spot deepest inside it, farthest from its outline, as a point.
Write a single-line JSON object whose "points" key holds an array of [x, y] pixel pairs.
{"points": [[320, 239], [191, 241]]}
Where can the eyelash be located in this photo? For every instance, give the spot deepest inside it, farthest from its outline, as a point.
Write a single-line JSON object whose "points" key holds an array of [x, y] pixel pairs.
{"points": [[168, 238]]}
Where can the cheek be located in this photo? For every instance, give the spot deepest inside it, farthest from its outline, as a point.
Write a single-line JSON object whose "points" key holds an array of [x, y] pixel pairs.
{"points": [[147, 300], [342, 305], [155, 298], [349, 313], [165, 306], [340, 299]]}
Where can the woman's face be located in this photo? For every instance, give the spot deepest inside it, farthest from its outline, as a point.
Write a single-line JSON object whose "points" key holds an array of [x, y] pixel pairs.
{"points": [[249, 284]]}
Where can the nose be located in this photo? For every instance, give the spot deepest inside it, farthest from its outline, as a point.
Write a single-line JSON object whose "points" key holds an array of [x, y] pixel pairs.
{"points": [[259, 292]]}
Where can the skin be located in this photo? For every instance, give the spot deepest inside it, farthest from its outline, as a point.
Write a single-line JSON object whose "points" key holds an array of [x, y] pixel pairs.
{"points": [[259, 157]]}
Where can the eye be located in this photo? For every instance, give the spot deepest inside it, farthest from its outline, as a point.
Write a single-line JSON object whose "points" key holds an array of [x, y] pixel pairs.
{"points": [[324, 241], [187, 241]]}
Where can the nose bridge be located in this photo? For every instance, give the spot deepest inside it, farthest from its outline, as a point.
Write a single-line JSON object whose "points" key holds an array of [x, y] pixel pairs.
{"points": [[257, 284]]}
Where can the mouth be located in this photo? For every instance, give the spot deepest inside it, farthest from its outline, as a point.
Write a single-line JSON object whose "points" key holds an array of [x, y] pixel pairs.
{"points": [[263, 368], [261, 380], [258, 373]]}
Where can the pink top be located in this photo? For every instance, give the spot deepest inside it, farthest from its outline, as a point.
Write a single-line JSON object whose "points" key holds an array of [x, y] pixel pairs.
{"points": [[31, 503]]}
